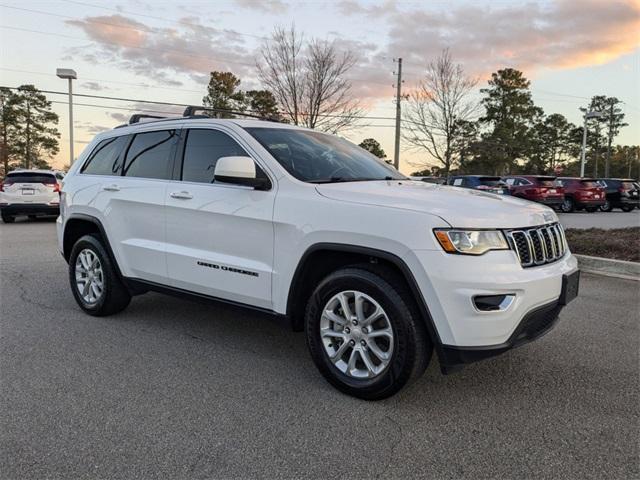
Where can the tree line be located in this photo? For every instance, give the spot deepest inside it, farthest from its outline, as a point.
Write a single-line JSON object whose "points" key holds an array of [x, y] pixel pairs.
{"points": [[306, 82], [505, 132]]}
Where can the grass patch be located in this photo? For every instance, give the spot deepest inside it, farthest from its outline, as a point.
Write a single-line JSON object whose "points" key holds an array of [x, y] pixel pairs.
{"points": [[618, 243]]}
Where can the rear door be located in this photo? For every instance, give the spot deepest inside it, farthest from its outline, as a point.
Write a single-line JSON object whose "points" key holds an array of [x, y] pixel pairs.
{"points": [[30, 188], [132, 199], [219, 236]]}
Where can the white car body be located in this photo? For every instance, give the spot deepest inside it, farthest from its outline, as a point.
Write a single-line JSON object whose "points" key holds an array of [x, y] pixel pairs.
{"points": [[245, 246], [24, 193]]}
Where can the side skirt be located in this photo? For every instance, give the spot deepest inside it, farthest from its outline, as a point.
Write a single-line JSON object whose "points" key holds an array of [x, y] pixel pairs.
{"points": [[137, 287]]}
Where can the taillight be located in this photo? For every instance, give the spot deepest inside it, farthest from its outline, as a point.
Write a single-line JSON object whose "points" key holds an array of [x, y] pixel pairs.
{"points": [[1, 186], [56, 188]]}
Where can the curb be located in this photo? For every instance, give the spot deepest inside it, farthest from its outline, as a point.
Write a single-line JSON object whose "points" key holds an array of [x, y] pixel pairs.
{"points": [[609, 267]]}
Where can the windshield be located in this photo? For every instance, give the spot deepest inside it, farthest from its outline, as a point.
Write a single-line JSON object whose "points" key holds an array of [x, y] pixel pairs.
{"points": [[320, 158]]}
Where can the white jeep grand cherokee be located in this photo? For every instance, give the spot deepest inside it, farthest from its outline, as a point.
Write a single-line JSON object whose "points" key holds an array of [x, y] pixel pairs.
{"points": [[378, 270]]}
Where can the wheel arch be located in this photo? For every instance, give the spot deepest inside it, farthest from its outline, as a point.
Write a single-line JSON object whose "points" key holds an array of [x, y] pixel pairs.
{"points": [[80, 224], [322, 258]]}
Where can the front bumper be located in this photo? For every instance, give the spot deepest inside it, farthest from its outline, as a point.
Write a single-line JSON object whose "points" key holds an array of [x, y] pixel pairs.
{"points": [[30, 209], [448, 284]]}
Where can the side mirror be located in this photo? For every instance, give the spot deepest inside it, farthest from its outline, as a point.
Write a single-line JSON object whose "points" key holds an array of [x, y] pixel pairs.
{"points": [[239, 171]]}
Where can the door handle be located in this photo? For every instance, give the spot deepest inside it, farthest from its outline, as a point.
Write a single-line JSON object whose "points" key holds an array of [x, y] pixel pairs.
{"points": [[181, 195], [111, 188]]}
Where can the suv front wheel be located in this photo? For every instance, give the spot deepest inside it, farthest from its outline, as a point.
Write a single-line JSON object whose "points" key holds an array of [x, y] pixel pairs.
{"points": [[94, 281], [365, 333]]}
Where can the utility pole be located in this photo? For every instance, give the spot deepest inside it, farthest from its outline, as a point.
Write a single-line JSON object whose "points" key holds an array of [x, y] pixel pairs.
{"points": [[609, 139], [70, 75], [396, 152], [587, 116]]}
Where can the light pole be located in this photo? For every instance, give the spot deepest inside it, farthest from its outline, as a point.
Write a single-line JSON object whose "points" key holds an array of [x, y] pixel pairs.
{"points": [[587, 116], [70, 75]]}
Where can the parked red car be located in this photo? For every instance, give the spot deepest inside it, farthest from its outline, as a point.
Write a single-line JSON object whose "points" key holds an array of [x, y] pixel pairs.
{"points": [[537, 188], [581, 193]]}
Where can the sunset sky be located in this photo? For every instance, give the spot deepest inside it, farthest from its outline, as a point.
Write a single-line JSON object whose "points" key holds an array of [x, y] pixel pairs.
{"points": [[164, 51]]}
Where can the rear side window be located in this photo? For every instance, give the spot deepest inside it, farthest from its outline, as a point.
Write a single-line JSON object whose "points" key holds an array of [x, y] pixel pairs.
{"points": [[106, 159], [202, 150], [149, 155], [27, 177], [628, 185], [490, 182], [457, 182]]}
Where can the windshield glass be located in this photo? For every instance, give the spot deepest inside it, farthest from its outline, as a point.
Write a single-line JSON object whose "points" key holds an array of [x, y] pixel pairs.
{"points": [[320, 158]]}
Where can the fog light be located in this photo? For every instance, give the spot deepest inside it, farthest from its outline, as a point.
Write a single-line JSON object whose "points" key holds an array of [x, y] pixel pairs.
{"points": [[493, 303]]}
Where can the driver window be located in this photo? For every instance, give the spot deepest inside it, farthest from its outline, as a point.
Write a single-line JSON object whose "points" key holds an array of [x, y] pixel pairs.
{"points": [[202, 150]]}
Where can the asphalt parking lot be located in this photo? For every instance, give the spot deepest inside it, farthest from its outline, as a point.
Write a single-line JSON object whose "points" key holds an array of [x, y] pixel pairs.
{"points": [[174, 389]]}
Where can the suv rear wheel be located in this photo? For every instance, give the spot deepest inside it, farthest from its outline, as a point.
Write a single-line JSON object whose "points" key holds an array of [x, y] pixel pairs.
{"points": [[365, 333], [606, 207], [94, 280], [568, 205]]}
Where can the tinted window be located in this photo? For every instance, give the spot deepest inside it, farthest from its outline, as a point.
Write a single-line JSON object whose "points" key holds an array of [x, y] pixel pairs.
{"points": [[628, 185], [106, 159], [28, 177], [546, 182], [202, 151], [489, 182], [319, 157], [588, 184], [149, 155]]}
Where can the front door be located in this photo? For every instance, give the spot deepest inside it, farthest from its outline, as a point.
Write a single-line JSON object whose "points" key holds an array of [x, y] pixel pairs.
{"points": [[219, 236]]}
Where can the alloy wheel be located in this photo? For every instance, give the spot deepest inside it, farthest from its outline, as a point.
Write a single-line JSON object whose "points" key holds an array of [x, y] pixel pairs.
{"points": [[89, 276], [357, 334]]}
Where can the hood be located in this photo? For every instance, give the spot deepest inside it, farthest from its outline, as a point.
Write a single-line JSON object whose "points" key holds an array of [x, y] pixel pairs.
{"points": [[460, 207]]}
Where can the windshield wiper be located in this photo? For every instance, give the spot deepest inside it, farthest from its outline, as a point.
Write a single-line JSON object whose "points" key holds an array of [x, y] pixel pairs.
{"points": [[343, 179]]}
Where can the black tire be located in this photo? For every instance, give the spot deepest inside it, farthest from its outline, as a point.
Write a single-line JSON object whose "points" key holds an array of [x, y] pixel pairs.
{"points": [[412, 347], [591, 209], [8, 218], [628, 208], [115, 296], [606, 207], [568, 205]]}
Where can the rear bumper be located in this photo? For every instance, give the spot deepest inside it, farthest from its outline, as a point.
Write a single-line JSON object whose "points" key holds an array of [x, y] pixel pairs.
{"points": [[30, 209], [557, 201], [590, 203]]}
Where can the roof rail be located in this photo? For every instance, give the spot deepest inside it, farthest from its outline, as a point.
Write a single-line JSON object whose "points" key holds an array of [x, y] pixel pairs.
{"points": [[191, 110], [136, 117]]}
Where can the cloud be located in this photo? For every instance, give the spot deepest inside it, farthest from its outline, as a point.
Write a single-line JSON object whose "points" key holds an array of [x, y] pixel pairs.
{"points": [[564, 34], [162, 54], [95, 86], [267, 6]]}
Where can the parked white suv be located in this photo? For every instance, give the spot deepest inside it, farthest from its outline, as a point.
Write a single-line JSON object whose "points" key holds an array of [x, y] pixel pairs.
{"points": [[378, 270], [30, 192]]}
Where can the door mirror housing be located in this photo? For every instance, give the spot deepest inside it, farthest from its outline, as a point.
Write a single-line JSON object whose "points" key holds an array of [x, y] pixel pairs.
{"points": [[239, 170]]}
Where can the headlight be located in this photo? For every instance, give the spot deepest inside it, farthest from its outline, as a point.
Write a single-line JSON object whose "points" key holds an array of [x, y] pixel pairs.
{"points": [[471, 242]]}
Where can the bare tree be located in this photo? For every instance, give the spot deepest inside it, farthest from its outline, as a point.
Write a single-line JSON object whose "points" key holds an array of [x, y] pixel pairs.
{"points": [[437, 109], [309, 81]]}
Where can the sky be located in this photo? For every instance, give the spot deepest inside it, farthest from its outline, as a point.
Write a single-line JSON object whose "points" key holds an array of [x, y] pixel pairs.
{"points": [[164, 50]]}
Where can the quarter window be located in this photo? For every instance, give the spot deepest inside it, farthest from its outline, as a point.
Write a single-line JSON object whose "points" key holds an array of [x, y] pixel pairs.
{"points": [[202, 150], [106, 159], [149, 155]]}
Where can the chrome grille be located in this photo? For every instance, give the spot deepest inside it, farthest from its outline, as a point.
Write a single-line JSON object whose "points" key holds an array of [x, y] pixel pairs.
{"points": [[538, 245]]}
